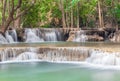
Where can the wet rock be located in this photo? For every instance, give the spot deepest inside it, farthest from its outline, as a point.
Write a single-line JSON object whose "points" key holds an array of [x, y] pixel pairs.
{"points": [[95, 38], [71, 36], [20, 33], [115, 37]]}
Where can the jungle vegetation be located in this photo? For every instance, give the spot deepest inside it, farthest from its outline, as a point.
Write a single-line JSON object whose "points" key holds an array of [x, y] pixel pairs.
{"points": [[59, 13]]}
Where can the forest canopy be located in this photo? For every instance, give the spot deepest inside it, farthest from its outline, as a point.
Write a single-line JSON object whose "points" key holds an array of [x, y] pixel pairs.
{"points": [[59, 13]]}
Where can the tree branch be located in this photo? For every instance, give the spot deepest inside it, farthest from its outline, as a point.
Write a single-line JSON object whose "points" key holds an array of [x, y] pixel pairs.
{"points": [[23, 12], [12, 12], [18, 6], [3, 12]]}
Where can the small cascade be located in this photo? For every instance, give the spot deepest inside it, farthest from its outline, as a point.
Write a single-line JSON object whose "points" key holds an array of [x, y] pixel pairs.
{"points": [[13, 33], [3, 39], [80, 36], [64, 54], [104, 58], [59, 35], [26, 56], [61, 54], [41, 35], [31, 36], [9, 37], [18, 54], [51, 36], [45, 54]]}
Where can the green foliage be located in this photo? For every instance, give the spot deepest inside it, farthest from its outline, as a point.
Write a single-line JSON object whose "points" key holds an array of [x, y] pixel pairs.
{"points": [[43, 10], [117, 12], [31, 18], [39, 13], [0, 13]]}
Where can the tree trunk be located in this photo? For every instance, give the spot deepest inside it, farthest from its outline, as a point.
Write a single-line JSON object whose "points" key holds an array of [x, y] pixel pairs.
{"points": [[67, 19], [6, 21], [4, 2], [61, 5], [17, 21], [100, 17], [78, 15], [72, 18]]}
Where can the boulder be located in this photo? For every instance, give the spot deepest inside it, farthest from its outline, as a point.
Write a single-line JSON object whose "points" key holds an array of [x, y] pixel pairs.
{"points": [[71, 37], [95, 38], [116, 37]]}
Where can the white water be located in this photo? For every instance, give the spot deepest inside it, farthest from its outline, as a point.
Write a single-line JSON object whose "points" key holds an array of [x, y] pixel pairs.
{"points": [[14, 35], [62, 55], [3, 40], [9, 37], [51, 36], [31, 36], [104, 58], [26, 56], [36, 35], [80, 36]]}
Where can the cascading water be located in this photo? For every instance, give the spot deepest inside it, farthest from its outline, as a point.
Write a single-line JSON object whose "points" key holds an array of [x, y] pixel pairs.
{"points": [[18, 54], [51, 36], [3, 40], [104, 58], [9, 37], [26, 56], [45, 54], [31, 36], [80, 36], [13, 33], [59, 54], [40, 35]]}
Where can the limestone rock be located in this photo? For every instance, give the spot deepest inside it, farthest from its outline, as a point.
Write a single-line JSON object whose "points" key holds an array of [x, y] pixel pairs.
{"points": [[95, 38], [71, 36], [116, 37]]}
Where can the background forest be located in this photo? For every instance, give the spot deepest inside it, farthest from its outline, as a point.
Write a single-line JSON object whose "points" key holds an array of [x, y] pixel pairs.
{"points": [[59, 13]]}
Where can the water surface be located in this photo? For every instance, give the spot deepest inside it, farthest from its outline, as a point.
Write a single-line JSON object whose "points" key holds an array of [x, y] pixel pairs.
{"points": [[45, 71]]}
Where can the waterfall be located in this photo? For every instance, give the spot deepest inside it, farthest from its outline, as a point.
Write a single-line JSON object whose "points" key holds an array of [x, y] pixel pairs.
{"points": [[9, 37], [60, 54], [26, 56], [13, 33], [45, 54], [51, 36], [31, 36], [18, 54], [104, 58], [41, 35], [80, 36], [3, 40]]}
